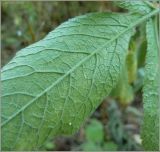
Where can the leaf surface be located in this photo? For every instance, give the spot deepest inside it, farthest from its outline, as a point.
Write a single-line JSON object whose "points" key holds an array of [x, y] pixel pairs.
{"points": [[150, 129], [51, 86], [141, 6]]}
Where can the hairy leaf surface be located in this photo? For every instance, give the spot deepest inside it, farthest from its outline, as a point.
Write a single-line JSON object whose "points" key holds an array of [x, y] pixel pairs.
{"points": [[135, 6], [51, 86], [150, 129]]}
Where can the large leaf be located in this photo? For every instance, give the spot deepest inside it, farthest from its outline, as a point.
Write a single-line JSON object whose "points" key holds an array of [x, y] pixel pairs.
{"points": [[50, 87], [150, 129]]}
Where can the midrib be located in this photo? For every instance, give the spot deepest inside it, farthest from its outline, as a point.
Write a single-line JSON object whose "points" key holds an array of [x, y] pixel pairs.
{"points": [[80, 63]]}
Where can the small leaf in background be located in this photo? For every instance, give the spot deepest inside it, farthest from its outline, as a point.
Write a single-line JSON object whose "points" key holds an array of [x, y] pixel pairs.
{"points": [[49, 145], [94, 131], [110, 146], [91, 146]]}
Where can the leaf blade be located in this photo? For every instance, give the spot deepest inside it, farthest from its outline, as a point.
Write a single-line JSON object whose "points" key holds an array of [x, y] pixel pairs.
{"points": [[31, 72], [150, 128], [135, 6]]}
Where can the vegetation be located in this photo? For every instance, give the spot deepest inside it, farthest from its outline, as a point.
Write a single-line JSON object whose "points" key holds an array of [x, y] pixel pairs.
{"points": [[52, 86]]}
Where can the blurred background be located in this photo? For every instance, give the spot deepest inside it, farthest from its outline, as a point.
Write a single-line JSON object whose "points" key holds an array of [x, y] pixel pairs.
{"points": [[115, 125]]}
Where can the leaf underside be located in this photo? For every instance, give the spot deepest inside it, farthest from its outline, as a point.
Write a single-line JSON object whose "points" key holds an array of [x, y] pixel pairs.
{"points": [[134, 6], [50, 87], [150, 128]]}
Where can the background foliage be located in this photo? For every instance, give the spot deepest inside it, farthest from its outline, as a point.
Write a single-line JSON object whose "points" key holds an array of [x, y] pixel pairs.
{"points": [[115, 125]]}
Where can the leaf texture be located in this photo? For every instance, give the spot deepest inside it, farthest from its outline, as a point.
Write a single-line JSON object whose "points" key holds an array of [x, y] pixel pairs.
{"points": [[135, 6], [150, 129], [51, 86]]}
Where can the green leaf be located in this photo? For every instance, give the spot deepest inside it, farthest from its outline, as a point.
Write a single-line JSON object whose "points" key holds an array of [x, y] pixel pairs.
{"points": [[90, 146], [110, 146], [141, 7], [49, 145], [94, 131], [50, 87], [150, 128]]}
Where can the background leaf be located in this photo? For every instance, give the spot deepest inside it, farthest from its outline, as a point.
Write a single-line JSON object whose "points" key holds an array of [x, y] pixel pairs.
{"points": [[94, 131]]}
